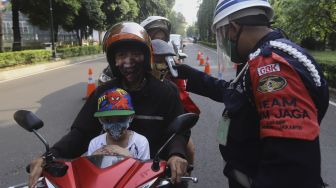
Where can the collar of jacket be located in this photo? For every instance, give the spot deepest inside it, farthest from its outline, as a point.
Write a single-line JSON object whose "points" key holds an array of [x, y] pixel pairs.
{"points": [[275, 34]]}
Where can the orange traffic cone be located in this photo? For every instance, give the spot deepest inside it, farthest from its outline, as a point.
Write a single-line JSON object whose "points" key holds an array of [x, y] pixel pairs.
{"points": [[198, 55], [91, 86], [207, 66], [201, 60]]}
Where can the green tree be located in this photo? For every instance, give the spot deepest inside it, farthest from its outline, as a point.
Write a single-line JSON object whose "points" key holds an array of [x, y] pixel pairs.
{"points": [[205, 19], [178, 22], [94, 19], [309, 19], [64, 12], [119, 10], [154, 8], [192, 30]]}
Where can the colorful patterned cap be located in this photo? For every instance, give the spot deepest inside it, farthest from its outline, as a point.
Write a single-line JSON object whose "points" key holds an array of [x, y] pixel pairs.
{"points": [[114, 102]]}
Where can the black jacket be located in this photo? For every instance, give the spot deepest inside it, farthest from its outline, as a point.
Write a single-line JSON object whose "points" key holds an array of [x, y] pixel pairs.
{"points": [[156, 105]]}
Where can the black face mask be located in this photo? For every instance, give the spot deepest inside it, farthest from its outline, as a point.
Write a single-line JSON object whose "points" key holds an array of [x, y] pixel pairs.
{"points": [[137, 70], [235, 56]]}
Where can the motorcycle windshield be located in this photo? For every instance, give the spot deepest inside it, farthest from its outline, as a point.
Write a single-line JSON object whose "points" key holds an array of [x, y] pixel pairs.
{"points": [[104, 161]]}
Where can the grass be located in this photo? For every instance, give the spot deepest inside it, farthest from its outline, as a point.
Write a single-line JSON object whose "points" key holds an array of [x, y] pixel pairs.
{"points": [[328, 57]]}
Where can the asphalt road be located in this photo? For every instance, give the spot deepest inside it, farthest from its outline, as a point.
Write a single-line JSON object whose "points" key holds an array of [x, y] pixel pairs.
{"points": [[56, 97]]}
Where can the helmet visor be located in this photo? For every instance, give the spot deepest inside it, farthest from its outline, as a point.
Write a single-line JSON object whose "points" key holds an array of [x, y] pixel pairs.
{"points": [[226, 68], [159, 24]]}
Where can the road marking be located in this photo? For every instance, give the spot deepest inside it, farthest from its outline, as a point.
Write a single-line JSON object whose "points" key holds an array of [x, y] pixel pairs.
{"points": [[210, 49], [61, 67]]}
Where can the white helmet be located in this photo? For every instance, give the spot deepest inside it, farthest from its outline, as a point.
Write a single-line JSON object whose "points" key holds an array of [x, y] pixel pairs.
{"points": [[156, 22], [227, 10]]}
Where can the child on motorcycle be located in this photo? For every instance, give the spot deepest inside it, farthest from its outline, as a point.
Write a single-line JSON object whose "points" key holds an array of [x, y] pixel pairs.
{"points": [[115, 113]]}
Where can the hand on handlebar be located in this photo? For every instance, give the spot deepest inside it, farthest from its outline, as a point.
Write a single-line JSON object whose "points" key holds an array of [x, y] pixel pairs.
{"points": [[36, 167], [178, 168]]}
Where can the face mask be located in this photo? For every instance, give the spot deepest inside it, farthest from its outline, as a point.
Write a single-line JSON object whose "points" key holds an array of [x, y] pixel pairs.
{"points": [[230, 47], [160, 70], [234, 52], [116, 129]]}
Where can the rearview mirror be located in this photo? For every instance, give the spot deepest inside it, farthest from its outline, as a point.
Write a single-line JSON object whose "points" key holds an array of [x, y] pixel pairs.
{"points": [[182, 123], [179, 125], [28, 120]]}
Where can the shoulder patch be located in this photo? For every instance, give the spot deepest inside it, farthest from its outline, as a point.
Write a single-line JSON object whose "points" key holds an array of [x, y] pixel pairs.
{"points": [[271, 83], [268, 69]]}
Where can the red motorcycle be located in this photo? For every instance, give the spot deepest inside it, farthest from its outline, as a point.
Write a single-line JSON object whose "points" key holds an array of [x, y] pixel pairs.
{"points": [[102, 170]]}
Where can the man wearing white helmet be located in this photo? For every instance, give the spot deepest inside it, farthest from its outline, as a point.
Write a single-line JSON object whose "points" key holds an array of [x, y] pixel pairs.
{"points": [[157, 27], [269, 133]]}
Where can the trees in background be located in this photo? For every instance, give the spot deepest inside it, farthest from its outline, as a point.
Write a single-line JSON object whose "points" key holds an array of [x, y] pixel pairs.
{"points": [[82, 16], [89, 17], [121, 10], [205, 18], [153, 7], [64, 13], [178, 22], [192, 30], [311, 22]]}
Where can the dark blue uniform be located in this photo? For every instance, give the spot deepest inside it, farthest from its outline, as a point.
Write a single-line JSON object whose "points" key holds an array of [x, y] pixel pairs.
{"points": [[275, 110]]}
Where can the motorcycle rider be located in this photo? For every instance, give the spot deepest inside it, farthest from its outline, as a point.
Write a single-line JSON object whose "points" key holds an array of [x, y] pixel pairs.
{"points": [[129, 54], [162, 50], [270, 127], [159, 27]]}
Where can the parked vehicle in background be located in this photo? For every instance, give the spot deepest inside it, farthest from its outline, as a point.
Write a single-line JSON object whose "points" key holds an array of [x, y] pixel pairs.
{"points": [[176, 41]]}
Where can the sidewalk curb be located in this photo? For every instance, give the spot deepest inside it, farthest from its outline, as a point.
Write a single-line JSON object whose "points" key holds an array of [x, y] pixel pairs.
{"points": [[21, 71]]}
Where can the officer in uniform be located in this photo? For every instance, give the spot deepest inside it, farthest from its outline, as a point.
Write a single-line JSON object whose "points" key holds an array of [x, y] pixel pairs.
{"points": [[269, 133]]}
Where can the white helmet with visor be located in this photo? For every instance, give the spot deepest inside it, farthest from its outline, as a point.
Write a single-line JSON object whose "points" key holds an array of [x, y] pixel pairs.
{"points": [[159, 23], [226, 11]]}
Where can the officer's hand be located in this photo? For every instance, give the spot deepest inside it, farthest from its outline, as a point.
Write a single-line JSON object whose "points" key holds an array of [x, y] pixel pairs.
{"points": [[184, 71], [35, 171], [178, 168]]}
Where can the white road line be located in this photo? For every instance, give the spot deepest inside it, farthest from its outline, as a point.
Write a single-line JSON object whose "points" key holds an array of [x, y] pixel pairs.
{"points": [[61, 67], [210, 49]]}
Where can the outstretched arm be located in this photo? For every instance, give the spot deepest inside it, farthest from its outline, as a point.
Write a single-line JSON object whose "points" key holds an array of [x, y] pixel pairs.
{"points": [[202, 84]]}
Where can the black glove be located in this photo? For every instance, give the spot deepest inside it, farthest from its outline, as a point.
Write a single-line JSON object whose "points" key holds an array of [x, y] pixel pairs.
{"points": [[184, 71]]}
